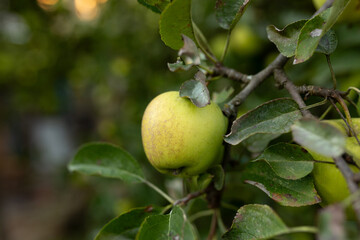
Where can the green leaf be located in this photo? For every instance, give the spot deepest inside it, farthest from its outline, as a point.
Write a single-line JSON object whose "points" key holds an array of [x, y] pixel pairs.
{"points": [[196, 91], [106, 160], [151, 7], [154, 227], [331, 223], [120, 226], [328, 43], [229, 12], [315, 29], [255, 221], [172, 226], [319, 137], [285, 39], [274, 117], [219, 176], [294, 193], [179, 226], [288, 161], [175, 21]]}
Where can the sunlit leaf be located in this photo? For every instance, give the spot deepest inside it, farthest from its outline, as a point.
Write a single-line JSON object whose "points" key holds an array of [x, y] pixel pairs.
{"points": [[106, 160], [175, 21]]}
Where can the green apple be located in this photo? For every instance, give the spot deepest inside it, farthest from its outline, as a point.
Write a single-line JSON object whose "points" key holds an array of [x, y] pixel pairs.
{"points": [[350, 14], [328, 179], [180, 138], [244, 41]]}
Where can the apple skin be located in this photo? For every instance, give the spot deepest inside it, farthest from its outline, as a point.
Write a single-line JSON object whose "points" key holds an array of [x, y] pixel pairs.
{"points": [[328, 180], [181, 139], [351, 13]]}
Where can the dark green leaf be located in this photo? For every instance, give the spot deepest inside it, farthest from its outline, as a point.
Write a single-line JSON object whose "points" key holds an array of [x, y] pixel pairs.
{"points": [[286, 39], [328, 43], [154, 227], [196, 91], [331, 223], [288, 161], [274, 117], [219, 176], [294, 193], [315, 29], [319, 137], [119, 226], [229, 12], [106, 160], [175, 21], [255, 221], [151, 7]]}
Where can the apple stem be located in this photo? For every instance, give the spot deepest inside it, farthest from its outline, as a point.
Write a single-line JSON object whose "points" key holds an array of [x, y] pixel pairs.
{"points": [[158, 190]]}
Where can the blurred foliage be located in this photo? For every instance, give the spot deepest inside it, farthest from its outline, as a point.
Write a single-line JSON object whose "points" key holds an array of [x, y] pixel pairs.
{"points": [[97, 63]]}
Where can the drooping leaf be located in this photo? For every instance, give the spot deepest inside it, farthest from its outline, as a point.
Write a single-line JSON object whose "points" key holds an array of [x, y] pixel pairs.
{"points": [[286, 38], [229, 12], [126, 223], [319, 137], [315, 29], [288, 161], [175, 21], [106, 160], [274, 117], [328, 43], [219, 176], [196, 91], [255, 221], [172, 226], [331, 223], [294, 193]]}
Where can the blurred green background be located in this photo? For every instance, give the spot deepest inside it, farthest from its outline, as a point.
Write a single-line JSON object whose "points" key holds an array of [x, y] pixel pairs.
{"points": [[75, 71]]}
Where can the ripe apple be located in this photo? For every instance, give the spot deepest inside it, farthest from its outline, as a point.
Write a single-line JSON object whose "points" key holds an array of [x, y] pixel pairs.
{"points": [[180, 138], [350, 14]]}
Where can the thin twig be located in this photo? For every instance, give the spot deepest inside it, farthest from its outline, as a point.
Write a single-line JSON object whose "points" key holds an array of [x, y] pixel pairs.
{"points": [[283, 80], [333, 77], [231, 107], [190, 196], [213, 225]]}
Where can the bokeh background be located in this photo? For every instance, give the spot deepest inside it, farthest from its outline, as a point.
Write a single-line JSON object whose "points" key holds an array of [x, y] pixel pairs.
{"points": [[76, 71]]}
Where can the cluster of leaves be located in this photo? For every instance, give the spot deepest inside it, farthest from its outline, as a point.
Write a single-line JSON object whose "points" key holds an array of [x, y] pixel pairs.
{"points": [[281, 170]]}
